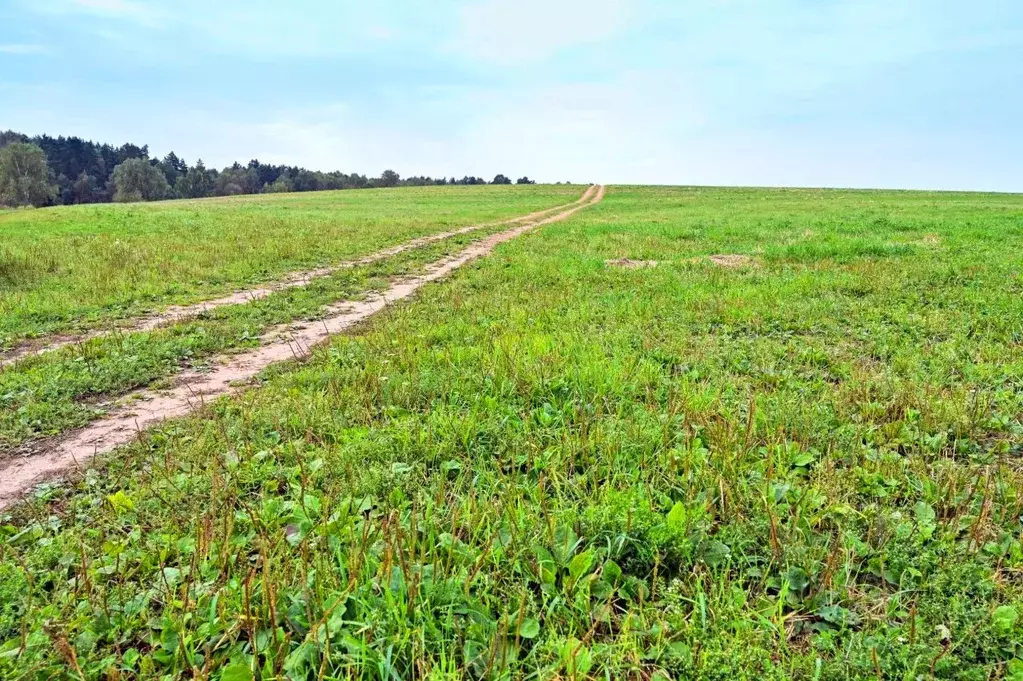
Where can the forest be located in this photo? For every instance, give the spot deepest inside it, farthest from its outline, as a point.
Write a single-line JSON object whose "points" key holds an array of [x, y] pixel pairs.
{"points": [[46, 171]]}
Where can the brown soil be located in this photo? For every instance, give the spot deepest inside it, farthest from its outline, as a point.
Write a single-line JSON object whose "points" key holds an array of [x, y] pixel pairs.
{"points": [[733, 260], [629, 264], [145, 409], [176, 313]]}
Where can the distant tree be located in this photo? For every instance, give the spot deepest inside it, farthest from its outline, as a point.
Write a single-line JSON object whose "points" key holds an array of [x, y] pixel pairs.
{"points": [[172, 167], [137, 180], [10, 137], [357, 181], [83, 171], [129, 151], [65, 189], [24, 176], [501, 179], [306, 181], [388, 178], [245, 180], [420, 181], [524, 180], [196, 183], [281, 185], [333, 180], [263, 171], [86, 190]]}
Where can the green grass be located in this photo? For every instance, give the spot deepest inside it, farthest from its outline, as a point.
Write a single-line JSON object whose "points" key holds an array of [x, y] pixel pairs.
{"points": [[75, 267], [49, 394], [805, 468]]}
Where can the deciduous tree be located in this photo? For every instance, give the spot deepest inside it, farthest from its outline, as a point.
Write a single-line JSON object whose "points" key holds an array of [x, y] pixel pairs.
{"points": [[24, 176], [138, 180], [281, 185], [388, 178], [196, 183], [86, 190]]}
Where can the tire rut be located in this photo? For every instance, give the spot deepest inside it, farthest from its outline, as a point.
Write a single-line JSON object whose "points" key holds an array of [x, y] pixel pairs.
{"points": [[149, 408], [177, 313]]}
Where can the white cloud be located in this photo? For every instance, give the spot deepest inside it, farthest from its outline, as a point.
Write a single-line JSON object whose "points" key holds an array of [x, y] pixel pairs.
{"points": [[506, 32]]}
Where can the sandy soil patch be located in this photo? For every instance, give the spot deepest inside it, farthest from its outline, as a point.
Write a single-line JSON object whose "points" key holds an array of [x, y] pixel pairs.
{"points": [[629, 264]]}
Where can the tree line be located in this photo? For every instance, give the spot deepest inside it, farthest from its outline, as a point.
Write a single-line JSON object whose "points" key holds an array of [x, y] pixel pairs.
{"points": [[49, 171]]}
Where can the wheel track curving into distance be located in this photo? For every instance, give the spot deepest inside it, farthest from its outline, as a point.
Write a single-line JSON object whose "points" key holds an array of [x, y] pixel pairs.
{"points": [[179, 313], [149, 408]]}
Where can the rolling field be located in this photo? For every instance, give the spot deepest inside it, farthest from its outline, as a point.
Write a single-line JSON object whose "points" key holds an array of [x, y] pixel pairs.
{"points": [[49, 394], [78, 267], [684, 433]]}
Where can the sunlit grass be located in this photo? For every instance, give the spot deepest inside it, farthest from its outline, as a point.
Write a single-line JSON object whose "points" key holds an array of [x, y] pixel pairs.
{"points": [[74, 267], [806, 467]]}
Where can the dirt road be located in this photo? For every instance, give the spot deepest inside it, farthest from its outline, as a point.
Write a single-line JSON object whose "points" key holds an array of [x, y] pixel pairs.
{"points": [[148, 408], [178, 313]]}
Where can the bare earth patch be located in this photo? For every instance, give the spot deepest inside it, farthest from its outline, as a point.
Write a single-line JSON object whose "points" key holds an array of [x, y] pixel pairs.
{"points": [[733, 260], [630, 264]]}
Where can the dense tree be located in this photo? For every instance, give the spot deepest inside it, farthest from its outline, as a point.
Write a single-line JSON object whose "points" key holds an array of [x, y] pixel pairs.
{"points": [[81, 171], [24, 176], [138, 180], [173, 168], [196, 183], [10, 137], [281, 185], [421, 181], [388, 178], [501, 179], [238, 179], [332, 180], [470, 180], [86, 189], [524, 180], [129, 151], [307, 181], [357, 181]]}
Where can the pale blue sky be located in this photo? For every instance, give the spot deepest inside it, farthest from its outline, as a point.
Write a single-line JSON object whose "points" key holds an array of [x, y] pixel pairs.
{"points": [[868, 93]]}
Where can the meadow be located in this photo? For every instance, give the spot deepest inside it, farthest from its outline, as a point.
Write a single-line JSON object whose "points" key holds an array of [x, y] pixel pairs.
{"points": [[79, 267], [687, 433]]}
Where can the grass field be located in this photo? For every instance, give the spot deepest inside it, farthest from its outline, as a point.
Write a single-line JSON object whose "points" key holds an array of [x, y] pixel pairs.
{"points": [[80, 267], [52, 393], [805, 463]]}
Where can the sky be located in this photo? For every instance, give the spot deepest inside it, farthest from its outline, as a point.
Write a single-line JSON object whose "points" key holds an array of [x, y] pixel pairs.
{"points": [[921, 94]]}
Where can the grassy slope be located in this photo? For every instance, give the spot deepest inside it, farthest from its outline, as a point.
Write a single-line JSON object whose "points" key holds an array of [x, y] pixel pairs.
{"points": [[806, 470], [78, 266], [52, 393]]}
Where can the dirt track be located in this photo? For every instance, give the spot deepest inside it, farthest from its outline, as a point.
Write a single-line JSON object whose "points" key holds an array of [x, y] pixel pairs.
{"points": [[19, 475], [177, 313]]}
